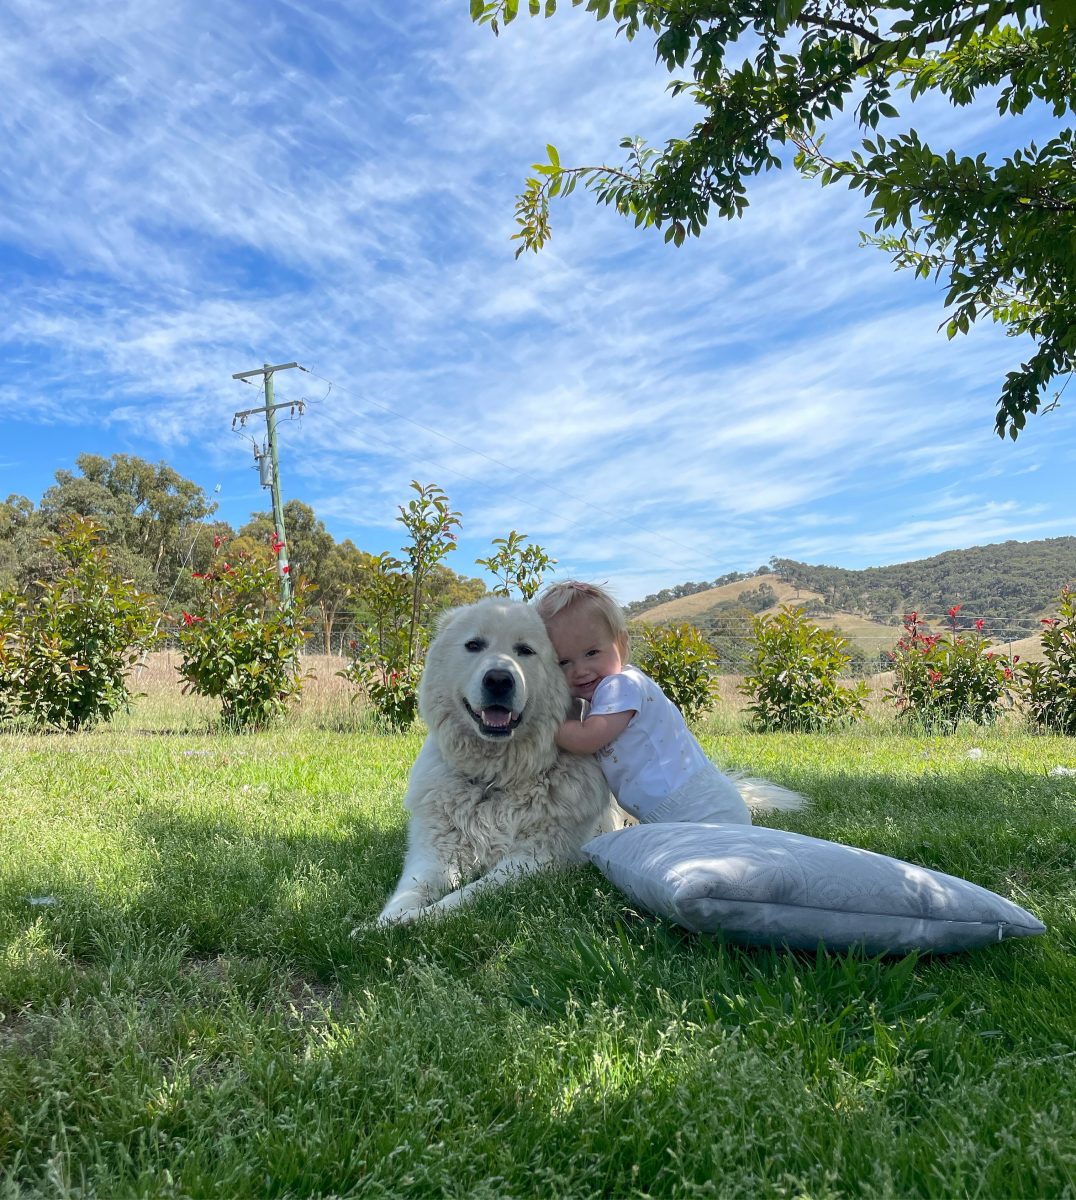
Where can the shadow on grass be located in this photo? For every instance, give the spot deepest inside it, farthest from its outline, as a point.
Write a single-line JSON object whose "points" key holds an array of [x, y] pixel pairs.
{"points": [[222, 886], [756, 1064], [233, 886]]}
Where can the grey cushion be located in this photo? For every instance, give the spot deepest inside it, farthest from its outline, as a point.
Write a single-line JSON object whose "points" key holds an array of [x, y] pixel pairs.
{"points": [[771, 887]]}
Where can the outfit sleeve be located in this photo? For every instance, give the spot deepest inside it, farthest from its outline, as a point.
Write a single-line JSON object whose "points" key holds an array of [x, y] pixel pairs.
{"points": [[616, 694]]}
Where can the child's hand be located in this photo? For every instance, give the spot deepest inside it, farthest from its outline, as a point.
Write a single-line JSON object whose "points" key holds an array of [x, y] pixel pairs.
{"points": [[589, 736]]}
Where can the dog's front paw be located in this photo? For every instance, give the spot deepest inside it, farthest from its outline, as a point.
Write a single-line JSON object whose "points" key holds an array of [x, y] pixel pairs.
{"points": [[384, 920], [396, 916]]}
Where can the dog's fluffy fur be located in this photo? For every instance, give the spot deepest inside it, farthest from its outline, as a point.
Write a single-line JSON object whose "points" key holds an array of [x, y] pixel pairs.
{"points": [[490, 795]]}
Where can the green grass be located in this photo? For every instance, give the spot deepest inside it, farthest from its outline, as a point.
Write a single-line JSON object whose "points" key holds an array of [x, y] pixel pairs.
{"points": [[185, 1013]]}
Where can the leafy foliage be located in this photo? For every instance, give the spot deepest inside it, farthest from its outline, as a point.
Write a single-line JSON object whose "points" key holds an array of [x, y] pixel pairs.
{"points": [[67, 649], [1000, 234], [680, 661], [388, 652], [794, 677], [1048, 689], [379, 651], [145, 512], [942, 679], [242, 646], [517, 565], [11, 672]]}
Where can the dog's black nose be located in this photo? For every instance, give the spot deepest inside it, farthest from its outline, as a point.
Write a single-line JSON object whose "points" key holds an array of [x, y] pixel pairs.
{"points": [[498, 684]]}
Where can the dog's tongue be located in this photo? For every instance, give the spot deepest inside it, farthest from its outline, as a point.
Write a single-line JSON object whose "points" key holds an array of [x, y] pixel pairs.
{"points": [[496, 718]]}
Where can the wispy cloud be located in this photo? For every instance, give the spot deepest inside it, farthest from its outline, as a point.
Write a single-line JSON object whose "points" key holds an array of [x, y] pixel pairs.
{"points": [[182, 200]]}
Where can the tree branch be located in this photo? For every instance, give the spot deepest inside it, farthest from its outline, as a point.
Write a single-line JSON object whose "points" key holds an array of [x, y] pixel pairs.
{"points": [[812, 18]]}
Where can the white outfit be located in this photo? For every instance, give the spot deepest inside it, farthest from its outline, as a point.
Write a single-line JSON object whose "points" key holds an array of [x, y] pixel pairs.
{"points": [[655, 767]]}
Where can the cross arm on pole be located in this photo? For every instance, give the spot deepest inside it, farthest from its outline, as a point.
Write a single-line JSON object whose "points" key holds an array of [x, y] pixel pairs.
{"points": [[266, 370], [249, 412]]}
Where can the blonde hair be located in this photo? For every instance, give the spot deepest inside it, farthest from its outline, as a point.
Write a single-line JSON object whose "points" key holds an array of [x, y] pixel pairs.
{"points": [[571, 593]]}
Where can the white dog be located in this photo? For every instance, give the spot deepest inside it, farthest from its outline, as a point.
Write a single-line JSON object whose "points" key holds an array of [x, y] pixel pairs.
{"points": [[491, 796]]}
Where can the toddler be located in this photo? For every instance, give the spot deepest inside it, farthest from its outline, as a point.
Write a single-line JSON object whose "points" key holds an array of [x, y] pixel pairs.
{"points": [[651, 761]]}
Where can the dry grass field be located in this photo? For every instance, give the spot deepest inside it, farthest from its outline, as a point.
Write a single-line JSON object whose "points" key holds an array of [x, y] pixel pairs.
{"points": [[326, 698], [332, 702]]}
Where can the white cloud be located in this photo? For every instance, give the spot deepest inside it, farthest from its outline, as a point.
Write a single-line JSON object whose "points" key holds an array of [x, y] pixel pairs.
{"points": [[187, 201]]}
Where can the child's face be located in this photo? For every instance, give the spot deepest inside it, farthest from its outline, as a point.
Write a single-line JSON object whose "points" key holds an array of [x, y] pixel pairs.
{"points": [[586, 650]]}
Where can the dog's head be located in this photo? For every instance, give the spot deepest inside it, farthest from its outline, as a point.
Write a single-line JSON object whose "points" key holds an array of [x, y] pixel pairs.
{"points": [[491, 674]]}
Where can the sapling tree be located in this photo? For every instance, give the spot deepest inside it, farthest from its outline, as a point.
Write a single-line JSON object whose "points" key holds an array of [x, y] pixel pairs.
{"points": [[1048, 688], [431, 524], [519, 564], [681, 661], [388, 650], [944, 678], [793, 680]]}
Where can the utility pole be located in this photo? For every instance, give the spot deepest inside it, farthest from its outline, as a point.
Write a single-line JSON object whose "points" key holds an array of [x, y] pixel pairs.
{"points": [[270, 410]]}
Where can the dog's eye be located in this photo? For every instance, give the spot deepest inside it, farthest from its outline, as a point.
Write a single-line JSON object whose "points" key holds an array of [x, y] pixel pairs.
{"points": [[475, 645], [523, 649]]}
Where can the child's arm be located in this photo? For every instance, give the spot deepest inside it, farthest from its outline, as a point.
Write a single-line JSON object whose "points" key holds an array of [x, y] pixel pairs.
{"points": [[587, 737]]}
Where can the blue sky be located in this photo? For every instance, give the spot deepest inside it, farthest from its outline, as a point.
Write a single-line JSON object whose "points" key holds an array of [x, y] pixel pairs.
{"points": [[190, 190]]}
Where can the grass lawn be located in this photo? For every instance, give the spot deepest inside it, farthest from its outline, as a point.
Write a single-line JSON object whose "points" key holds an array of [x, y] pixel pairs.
{"points": [[184, 1013]]}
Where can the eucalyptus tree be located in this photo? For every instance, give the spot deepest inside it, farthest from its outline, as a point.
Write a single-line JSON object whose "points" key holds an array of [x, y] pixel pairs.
{"points": [[145, 508]]}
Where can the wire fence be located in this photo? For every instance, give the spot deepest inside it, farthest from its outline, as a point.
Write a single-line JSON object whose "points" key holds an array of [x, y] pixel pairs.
{"points": [[733, 639]]}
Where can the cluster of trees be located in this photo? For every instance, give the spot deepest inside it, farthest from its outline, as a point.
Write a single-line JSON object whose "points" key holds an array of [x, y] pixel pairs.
{"points": [[688, 589], [160, 533]]}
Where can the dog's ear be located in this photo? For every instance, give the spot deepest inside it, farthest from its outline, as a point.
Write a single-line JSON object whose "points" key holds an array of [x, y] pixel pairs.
{"points": [[445, 618]]}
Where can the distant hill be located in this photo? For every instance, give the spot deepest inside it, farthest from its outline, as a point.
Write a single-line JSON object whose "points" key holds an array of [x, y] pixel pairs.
{"points": [[1009, 585]]}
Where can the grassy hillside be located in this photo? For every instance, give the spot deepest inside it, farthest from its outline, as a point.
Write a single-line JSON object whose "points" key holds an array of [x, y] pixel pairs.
{"points": [[686, 608], [727, 622], [1010, 585]]}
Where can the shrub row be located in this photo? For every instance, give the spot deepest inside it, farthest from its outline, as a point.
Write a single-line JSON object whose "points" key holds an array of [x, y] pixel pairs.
{"points": [[66, 648], [939, 679], [68, 643]]}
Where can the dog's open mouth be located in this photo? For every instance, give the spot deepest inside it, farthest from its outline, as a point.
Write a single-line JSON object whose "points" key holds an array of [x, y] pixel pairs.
{"points": [[495, 721]]}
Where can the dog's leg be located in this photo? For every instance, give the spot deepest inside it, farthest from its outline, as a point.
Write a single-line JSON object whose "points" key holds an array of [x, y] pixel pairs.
{"points": [[424, 878], [504, 872]]}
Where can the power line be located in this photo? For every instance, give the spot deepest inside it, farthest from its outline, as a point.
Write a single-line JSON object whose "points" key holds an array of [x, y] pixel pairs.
{"points": [[590, 506], [544, 510]]}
